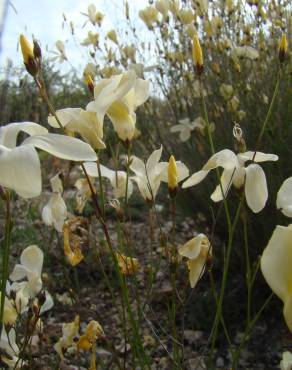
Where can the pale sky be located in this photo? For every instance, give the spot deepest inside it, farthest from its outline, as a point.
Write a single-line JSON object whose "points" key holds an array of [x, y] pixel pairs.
{"points": [[43, 19]]}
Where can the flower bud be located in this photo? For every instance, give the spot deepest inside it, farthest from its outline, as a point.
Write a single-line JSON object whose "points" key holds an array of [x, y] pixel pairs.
{"points": [[172, 176], [283, 47], [197, 54], [37, 51], [89, 82], [28, 56]]}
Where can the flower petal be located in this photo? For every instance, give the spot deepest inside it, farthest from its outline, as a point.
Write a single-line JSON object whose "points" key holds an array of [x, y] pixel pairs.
{"points": [[153, 160], [196, 269], [226, 182], [9, 133], [193, 247], [225, 158], [62, 146], [195, 179], [19, 272], [276, 261], [21, 170], [32, 259], [284, 197], [256, 191], [259, 157]]}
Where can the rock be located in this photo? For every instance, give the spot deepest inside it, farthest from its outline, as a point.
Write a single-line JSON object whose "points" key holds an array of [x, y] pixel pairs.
{"points": [[193, 336]]}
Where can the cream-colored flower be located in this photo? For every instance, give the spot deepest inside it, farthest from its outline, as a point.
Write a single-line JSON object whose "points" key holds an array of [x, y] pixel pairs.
{"points": [[83, 192], [286, 362], [284, 197], [30, 267], [118, 179], [9, 346], [119, 97], [55, 211], [251, 177], [197, 250], [69, 332], [20, 165], [127, 265], [94, 15], [185, 127], [226, 91], [83, 122], [91, 39], [149, 16], [148, 176], [112, 35], [186, 16], [163, 7], [60, 55], [93, 331], [276, 265]]}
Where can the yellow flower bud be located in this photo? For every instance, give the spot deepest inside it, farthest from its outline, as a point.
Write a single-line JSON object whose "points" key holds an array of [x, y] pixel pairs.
{"points": [[283, 47], [197, 54], [89, 82], [28, 56], [26, 48], [172, 174]]}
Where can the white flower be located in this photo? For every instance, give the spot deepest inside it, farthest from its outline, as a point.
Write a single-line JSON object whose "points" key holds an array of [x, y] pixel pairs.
{"points": [[77, 120], [30, 267], [252, 177], [185, 127], [9, 346], [197, 251], [286, 362], [276, 265], [148, 176], [245, 52], [91, 39], [119, 97], [118, 179], [55, 211], [61, 54], [20, 168], [284, 197]]}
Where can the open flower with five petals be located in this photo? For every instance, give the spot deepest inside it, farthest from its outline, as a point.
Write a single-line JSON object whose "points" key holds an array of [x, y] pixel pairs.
{"points": [[252, 177]]}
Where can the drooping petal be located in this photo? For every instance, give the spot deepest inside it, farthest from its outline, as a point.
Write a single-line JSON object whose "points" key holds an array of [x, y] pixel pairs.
{"points": [[62, 146], [284, 198], [49, 303], [185, 134], [276, 262], [20, 170], [256, 190], [196, 269], [32, 259], [195, 179], [9, 133], [259, 157], [66, 116], [226, 182], [19, 272], [193, 247], [153, 160], [225, 158], [137, 166]]}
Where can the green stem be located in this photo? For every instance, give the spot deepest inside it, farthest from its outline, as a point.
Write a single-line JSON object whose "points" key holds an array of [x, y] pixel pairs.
{"points": [[5, 257]]}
